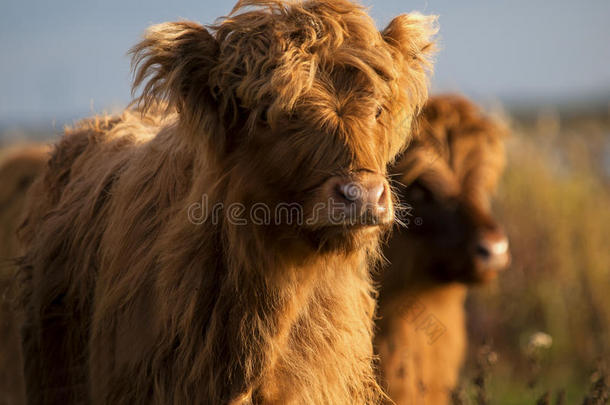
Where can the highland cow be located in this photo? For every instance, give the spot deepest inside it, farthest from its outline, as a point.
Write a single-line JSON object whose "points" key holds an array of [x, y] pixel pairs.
{"points": [[129, 299], [447, 177], [19, 166]]}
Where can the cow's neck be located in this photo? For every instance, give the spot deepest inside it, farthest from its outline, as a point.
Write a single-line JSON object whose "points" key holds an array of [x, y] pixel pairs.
{"points": [[279, 299]]}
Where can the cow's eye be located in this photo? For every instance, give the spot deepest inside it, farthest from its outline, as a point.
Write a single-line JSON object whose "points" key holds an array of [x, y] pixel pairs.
{"points": [[417, 192], [379, 112], [263, 116]]}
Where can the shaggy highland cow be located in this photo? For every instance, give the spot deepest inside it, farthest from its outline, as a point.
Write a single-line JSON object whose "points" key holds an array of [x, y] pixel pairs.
{"points": [[19, 166], [132, 298], [447, 176]]}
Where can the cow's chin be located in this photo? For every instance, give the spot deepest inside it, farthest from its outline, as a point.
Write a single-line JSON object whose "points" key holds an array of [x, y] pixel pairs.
{"points": [[465, 273], [479, 276], [345, 239]]}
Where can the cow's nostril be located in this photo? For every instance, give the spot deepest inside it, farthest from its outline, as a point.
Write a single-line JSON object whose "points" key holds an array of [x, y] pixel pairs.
{"points": [[348, 192], [383, 199], [376, 194], [364, 198], [353, 192], [483, 251], [491, 251]]}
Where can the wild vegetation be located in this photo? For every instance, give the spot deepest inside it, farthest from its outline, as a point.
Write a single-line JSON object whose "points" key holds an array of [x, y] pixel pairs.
{"points": [[545, 322]]}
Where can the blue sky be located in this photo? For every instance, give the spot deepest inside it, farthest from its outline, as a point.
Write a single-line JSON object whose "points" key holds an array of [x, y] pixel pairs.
{"points": [[63, 59]]}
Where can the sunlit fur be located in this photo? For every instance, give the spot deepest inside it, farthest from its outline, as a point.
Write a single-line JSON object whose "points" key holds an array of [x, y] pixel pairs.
{"points": [[447, 175], [129, 302], [19, 166]]}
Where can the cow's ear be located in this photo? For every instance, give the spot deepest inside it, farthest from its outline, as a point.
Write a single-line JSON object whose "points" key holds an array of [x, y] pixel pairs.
{"points": [[411, 37], [172, 65]]}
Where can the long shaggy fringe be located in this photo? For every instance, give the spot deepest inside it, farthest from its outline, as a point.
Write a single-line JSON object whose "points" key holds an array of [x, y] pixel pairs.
{"points": [[454, 139], [127, 301]]}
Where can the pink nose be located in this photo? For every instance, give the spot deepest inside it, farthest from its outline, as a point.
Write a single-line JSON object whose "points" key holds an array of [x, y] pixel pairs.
{"points": [[367, 196], [491, 250], [355, 192]]}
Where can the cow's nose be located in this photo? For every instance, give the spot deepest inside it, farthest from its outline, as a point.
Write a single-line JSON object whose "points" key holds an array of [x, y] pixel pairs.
{"points": [[367, 197], [372, 194], [491, 250]]}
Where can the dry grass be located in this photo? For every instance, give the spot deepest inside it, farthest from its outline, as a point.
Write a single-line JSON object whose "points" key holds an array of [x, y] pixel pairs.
{"points": [[554, 203]]}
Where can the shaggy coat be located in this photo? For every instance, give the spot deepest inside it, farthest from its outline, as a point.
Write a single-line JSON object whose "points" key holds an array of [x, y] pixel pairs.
{"points": [[19, 167], [135, 294], [446, 177]]}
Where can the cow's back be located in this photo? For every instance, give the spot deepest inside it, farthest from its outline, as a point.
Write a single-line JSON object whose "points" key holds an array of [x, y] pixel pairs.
{"points": [[64, 223]]}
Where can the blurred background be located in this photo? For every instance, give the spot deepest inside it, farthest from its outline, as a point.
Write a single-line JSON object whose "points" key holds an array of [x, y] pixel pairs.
{"points": [[66, 58], [541, 66]]}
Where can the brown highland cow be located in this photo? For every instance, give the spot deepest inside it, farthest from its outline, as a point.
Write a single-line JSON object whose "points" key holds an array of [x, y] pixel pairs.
{"points": [[135, 294], [19, 166], [447, 177]]}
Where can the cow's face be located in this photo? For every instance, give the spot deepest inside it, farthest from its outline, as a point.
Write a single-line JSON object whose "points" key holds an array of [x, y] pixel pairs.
{"points": [[447, 179], [328, 155], [323, 104], [452, 237]]}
